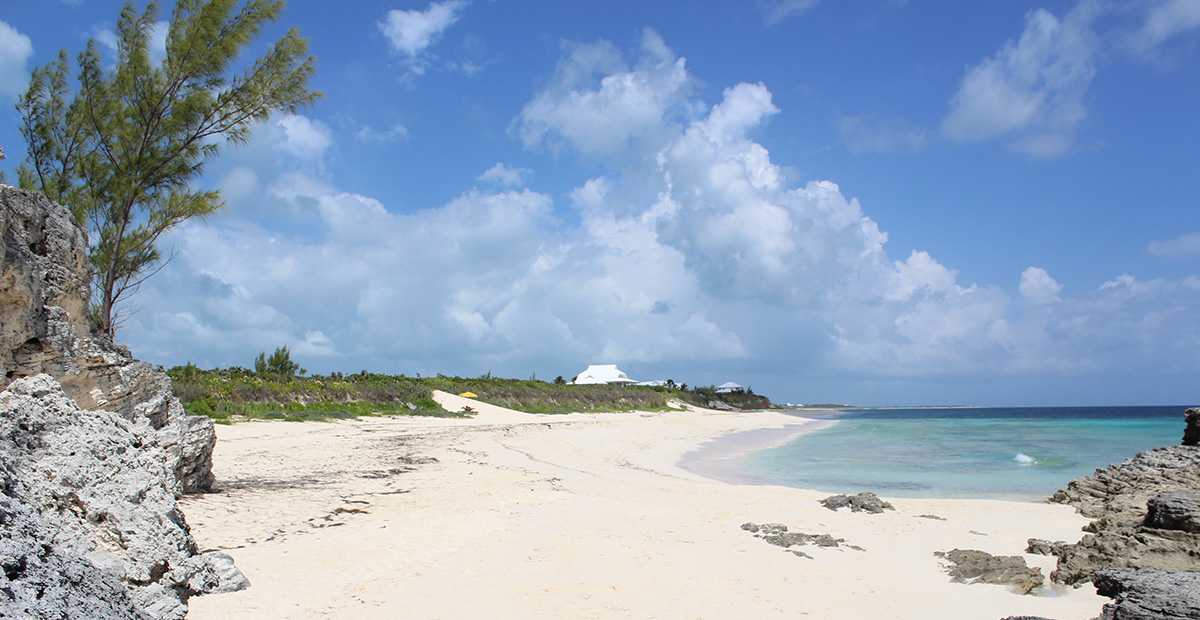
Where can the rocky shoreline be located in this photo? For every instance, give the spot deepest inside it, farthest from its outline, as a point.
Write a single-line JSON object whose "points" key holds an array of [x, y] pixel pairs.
{"points": [[1142, 548], [94, 447]]}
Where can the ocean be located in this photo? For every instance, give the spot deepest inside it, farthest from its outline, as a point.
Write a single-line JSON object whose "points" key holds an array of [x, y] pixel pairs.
{"points": [[987, 453]]}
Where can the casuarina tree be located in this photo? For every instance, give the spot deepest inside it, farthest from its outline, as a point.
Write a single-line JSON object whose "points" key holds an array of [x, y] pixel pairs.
{"points": [[123, 143]]}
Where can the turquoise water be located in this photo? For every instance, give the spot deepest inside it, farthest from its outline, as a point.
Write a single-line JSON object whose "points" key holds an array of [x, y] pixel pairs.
{"points": [[1023, 453]]}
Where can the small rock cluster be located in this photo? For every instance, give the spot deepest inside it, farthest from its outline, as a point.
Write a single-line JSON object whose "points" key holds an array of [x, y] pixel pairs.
{"points": [[777, 534], [974, 566], [863, 502]]}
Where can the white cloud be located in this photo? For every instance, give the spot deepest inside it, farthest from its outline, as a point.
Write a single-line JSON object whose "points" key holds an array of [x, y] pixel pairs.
{"points": [[504, 176], [1038, 287], [303, 138], [1184, 246], [158, 41], [391, 134], [1032, 91], [603, 115], [1165, 20], [688, 252], [864, 134], [15, 52], [779, 10], [412, 32]]}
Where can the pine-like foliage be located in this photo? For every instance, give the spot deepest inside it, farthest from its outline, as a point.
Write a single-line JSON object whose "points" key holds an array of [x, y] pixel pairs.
{"points": [[123, 145]]}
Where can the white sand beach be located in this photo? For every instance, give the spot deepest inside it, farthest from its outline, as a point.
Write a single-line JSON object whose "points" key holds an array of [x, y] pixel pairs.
{"points": [[513, 515]]}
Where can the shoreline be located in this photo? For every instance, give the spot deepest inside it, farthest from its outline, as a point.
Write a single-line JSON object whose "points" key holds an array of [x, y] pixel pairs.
{"points": [[513, 515], [720, 458]]}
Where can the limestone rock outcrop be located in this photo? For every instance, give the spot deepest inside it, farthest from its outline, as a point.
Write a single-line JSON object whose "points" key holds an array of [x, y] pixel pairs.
{"points": [[105, 510], [43, 329], [94, 447], [1145, 511]]}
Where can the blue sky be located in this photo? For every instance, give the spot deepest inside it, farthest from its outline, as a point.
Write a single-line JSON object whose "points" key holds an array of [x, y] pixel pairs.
{"points": [[868, 202]]}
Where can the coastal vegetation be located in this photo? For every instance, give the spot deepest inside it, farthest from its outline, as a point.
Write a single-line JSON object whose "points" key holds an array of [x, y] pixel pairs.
{"points": [[237, 393]]}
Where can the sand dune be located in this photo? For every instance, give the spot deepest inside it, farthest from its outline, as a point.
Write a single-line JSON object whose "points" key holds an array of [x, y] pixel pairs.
{"points": [[514, 515]]}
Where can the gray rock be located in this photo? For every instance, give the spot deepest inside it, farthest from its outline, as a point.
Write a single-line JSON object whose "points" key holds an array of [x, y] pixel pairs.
{"points": [[1038, 546], [42, 580], [973, 566], [863, 502], [1173, 510], [1149, 594], [1140, 519], [777, 534], [101, 498], [43, 329], [1191, 432], [94, 446]]}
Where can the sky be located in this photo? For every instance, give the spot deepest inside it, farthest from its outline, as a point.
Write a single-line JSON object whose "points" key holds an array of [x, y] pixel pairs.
{"points": [[870, 202]]}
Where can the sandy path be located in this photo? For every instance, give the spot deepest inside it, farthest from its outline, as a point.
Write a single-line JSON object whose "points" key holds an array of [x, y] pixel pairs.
{"points": [[510, 515]]}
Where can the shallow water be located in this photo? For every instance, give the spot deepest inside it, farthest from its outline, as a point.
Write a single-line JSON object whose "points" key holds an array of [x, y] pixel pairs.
{"points": [[1022, 453]]}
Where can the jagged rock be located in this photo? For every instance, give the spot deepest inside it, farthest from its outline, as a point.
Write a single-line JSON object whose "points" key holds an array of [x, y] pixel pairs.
{"points": [[1191, 432], [41, 580], [105, 508], [93, 453], [1149, 594], [973, 566], [863, 502], [1038, 546], [1145, 515], [43, 329]]}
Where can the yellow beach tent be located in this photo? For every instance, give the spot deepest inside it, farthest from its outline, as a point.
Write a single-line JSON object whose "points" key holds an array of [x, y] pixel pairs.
{"points": [[469, 395]]}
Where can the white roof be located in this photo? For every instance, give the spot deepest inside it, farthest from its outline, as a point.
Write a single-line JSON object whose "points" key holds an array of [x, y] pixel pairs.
{"points": [[729, 386], [602, 373]]}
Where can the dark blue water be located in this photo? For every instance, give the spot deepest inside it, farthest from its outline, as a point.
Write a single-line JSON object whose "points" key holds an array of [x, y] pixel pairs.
{"points": [[1016, 453]]}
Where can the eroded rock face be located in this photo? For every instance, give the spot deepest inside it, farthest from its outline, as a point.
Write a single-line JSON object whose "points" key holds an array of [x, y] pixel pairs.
{"points": [[1145, 511], [90, 514], [43, 329], [94, 447]]}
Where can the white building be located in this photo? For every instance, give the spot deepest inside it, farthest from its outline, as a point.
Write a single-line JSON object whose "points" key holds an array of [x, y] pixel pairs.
{"points": [[730, 388], [602, 373]]}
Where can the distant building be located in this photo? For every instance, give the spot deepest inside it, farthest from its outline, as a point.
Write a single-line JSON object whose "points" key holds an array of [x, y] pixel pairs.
{"points": [[602, 373], [655, 383], [730, 388]]}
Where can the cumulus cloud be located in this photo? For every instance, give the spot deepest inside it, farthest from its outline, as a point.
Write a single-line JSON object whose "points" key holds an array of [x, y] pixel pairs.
{"points": [[1032, 91], [1038, 287], [412, 32], [15, 52], [1185, 246], [599, 106], [689, 251], [504, 176], [304, 138]]}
